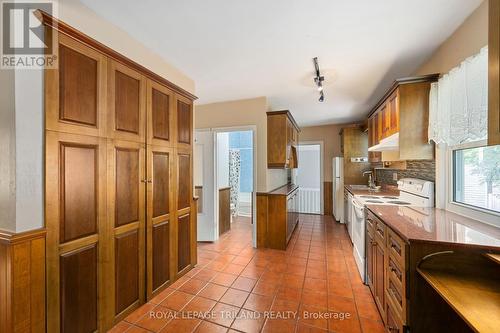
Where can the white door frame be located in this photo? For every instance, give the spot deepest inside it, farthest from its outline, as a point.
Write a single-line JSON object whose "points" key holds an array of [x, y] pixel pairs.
{"points": [[204, 198], [252, 128], [321, 172]]}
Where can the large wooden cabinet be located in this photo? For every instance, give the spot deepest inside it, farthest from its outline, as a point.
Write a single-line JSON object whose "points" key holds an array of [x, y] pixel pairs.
{"points": [[120, 213], [494, 73], [282, 140], [354, 149], [404, 109]]}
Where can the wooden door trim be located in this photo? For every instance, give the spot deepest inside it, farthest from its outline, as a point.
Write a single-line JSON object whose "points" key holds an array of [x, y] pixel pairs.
{"points": [[51, 100], [67, 30]]}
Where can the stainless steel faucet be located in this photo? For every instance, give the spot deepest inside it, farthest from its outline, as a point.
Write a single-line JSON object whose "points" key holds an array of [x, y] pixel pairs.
{"points": [[370, 180]]}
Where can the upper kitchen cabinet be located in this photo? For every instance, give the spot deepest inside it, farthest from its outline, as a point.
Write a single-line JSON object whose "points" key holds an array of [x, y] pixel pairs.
{"points": [[494, 71], [400, 119], [282, 140]]}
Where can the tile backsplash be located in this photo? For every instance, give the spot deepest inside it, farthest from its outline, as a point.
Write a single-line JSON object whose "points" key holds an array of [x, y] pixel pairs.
{"points": [[414, 169]]}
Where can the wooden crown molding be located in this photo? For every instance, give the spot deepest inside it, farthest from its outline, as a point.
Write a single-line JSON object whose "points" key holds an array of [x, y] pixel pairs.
{"points": [[9, 237], [62, 27]]}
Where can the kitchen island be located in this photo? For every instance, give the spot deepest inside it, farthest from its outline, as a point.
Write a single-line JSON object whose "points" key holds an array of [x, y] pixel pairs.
{"points": [[432, 270]]}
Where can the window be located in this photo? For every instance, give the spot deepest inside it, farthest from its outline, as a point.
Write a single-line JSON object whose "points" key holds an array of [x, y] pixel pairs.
{"points": [[476, 177]]}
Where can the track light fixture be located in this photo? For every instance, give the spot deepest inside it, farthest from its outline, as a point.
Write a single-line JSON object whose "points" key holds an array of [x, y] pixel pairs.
{"points": [[318, 79]]}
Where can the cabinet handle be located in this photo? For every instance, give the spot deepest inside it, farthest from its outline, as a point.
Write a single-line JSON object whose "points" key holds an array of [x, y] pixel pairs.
{"points": [[392, 329]]}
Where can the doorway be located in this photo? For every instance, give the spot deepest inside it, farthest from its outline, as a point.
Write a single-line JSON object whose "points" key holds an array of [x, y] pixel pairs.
{"points": [[310, 177], [224, 176]]}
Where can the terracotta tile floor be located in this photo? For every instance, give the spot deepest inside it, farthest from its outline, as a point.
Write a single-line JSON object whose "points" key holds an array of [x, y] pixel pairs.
{"points": [[314, 286]]}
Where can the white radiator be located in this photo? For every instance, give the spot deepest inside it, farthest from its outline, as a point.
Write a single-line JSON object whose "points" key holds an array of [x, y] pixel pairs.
{"points": [[309, 200]]}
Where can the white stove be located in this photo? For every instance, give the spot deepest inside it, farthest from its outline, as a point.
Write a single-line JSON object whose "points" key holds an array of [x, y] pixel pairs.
{"points": [[412, 192]]}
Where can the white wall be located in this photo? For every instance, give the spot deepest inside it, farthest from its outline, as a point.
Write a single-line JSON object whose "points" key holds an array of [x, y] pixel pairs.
{"points": [[222, 160], [7, 151]]}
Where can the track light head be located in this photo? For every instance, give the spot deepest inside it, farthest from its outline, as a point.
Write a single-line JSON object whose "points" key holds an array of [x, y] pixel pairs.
{"points": [[318, 80]]}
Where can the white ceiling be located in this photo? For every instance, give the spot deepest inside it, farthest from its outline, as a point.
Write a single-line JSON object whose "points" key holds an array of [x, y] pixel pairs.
{"points": [[236, 49]]}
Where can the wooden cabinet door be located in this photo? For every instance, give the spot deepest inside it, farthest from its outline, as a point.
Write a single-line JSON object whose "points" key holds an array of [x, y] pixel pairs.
{"points": [[385, 115], [493, 73], [126, 214], [160, 209], [160, 114], [379, 127], [379, 276], [75, 215], [370, 258], [126, 103], [393, 109], [183, 228], [75, 94], [184, 122]]}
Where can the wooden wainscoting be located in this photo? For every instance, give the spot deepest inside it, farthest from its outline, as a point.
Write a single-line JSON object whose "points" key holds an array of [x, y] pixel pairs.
{"points": [[22, 281], [328, 198], [224, 210]]}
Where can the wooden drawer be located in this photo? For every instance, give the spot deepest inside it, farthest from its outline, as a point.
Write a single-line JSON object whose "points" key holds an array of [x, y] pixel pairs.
{"points": [[395, 296], [397, 272], [393, 323], [370, 223], [396, 247], [380, 231]]}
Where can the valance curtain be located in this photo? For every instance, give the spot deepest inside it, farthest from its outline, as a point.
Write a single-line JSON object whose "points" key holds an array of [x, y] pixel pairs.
{"points": [[458, 110]]}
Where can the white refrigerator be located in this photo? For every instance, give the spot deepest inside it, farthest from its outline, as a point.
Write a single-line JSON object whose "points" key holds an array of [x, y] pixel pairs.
{"points": [[338, 188]]}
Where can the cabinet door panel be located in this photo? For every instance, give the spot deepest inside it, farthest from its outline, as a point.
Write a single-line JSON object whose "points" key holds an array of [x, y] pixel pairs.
{"points": [[126, 103], [394, 113], [79, 165], [183, 242], [75, 215], [127, 186], [379, 272], [184, 181], [161, 168], [184, 121], [126, 270], [74, 92], [160, 110], [161, 254], [78, 279], [161, 183], [77, 86]]}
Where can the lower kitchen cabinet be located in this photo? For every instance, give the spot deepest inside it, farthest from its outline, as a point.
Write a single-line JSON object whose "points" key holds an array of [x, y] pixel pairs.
{"points": [[277, 217], [386, 275]]}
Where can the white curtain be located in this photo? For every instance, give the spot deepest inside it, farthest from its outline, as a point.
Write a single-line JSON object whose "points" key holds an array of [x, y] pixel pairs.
{"points": [[458, 110]]}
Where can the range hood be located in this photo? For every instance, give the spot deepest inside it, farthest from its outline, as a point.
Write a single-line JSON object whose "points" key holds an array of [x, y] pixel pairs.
{"points": [[390, 143]]}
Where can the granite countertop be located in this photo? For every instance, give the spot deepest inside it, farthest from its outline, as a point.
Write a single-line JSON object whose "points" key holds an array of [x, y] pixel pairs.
{"points": [[418, 224], [382, 192]]}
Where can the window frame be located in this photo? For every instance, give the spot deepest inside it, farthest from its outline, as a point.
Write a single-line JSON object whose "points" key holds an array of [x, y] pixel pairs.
{"points": [[481, 214]]}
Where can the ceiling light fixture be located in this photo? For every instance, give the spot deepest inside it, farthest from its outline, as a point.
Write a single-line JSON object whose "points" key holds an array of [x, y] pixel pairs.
{"points": [[318, 79]]}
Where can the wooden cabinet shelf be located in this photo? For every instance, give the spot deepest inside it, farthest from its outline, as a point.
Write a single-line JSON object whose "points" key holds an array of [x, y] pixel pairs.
{"points": [[282, 140]]}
